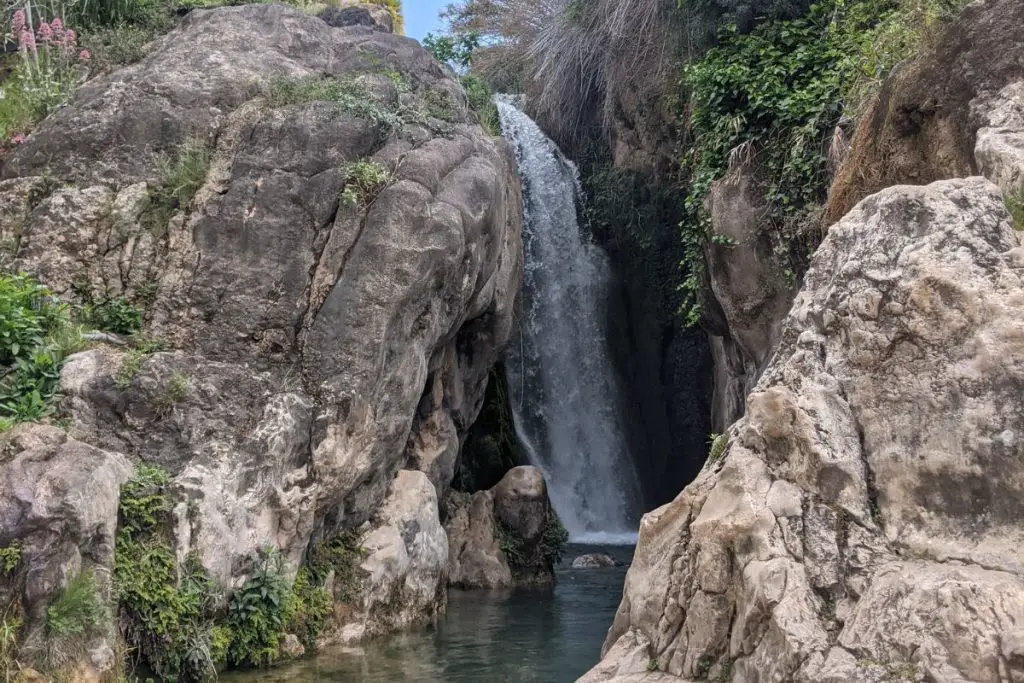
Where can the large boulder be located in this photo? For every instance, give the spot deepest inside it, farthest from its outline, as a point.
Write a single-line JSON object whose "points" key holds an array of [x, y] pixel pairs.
{"points": [[864, 521], [508, 535], [58, 510], [329, 302]]}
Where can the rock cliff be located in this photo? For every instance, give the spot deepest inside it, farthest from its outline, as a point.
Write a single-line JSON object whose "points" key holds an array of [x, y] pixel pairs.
{"points": [[860, 522], [328, 248]]}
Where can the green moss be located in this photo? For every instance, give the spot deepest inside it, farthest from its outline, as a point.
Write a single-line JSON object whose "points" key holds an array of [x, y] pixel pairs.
{"points": [[1015, 207], [341, 554], [10, 557]]}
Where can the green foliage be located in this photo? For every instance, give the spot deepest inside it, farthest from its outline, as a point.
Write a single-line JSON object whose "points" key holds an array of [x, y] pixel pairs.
{"points": [[131, 361], [173, 393], [166, 610], [256, 614], [512, 546], [36, 336], [113, 314], [481, 101], [10, 630], [718, 442], [180, 177], [308, 609], [653, 665], [363, 182], [769, 100], [455, 50], [79, 611], [1015, 207], [10, 557], [554, 539], [342, 554]]}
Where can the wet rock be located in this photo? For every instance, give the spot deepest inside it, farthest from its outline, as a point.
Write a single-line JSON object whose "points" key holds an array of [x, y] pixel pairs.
{"points": [[593, 561], [291, 648]]}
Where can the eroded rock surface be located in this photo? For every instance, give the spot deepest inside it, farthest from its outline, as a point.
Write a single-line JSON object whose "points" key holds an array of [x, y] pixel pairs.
{"points": [[322, 332], [505, 536], [864, 522]]}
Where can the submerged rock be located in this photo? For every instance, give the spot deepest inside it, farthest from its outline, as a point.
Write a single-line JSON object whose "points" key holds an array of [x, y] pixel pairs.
{"points": [[594, 560], [874, 483]]}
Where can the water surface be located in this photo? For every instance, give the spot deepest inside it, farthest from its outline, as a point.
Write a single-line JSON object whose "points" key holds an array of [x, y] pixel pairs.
{"points": [[549, 635]]}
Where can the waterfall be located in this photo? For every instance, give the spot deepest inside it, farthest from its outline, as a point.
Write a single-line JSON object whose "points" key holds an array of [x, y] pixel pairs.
{"points": [[561, 383]]}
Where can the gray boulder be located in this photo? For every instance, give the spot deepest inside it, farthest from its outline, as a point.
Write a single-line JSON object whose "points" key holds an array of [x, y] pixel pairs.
{"points": [[594, 561], [323, 331], [864, 522], [508, 535]]}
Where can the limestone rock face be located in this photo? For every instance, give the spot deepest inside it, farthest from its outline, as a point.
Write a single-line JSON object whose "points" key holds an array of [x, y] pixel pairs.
{"points": [[406, 566], [322, 332], [941, 115], [58, 499], [864, 522], [750, 295], [502, 537]]}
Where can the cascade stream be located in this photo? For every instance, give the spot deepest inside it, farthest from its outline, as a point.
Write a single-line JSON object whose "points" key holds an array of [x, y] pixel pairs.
{"points": [[562, 385]]}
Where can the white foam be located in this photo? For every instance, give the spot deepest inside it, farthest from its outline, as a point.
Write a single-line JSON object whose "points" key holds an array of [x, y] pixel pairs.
{"points": [[604, 538]]}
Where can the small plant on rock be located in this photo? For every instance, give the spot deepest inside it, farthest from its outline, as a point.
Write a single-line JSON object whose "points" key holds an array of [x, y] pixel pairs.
{"points": [[180, 177], [10, 557], [363, 182], [113, 314], [1015, 206], [554, 539], [719, 442], [256, 614], [173, 393]]}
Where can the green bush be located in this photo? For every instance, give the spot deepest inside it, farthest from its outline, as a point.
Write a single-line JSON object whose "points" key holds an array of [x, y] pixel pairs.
{"points": [[552, 543], [79, 611], [36, 336], [113, 314], [166, 610], [308, 609], [341, 554], [481, 101], [363, 182], [771, 99], [256, 614], [512, 546], [10, 557]]}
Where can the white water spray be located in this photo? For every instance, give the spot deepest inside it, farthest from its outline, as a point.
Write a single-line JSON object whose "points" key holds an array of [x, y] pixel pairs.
{"points": [[562, 385]]}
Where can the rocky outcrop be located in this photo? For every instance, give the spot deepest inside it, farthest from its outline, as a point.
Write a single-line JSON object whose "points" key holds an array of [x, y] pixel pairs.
{"points": [[593, 561], [59, 509], [508, 535], [749, 293], [863, 522], [329, 300], [939, 116]]}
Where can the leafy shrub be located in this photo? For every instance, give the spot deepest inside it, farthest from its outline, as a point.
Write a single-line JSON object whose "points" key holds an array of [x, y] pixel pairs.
{"points": [[166, 610], [341, 554], [552, 543], [36, 336], [307, 609], [719, 442], [454, 50], [256, 614], [512, 546], [363, 182], [481, 101], [113, 314], [1015, 207], [173, 393], [79, 611], [10, 557]]}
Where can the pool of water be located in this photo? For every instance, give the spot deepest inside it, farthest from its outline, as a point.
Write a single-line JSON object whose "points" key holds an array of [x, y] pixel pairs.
{"points": [[548, 635]]}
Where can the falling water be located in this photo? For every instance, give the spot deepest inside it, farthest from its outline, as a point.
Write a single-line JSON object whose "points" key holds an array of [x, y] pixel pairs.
{"points": [[563, 388]]}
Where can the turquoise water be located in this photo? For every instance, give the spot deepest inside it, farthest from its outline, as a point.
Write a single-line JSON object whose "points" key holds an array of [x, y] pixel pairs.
{"points": [[549, 635]]}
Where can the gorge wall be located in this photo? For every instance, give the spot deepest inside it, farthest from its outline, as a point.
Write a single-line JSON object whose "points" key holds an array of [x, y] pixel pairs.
{"points": [[322, 309]]}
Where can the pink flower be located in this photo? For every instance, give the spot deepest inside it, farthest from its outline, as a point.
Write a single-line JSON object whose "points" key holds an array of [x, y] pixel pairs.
{"points": [[18, 22], [26, 41], [18, 139], [69, 38], [57, 25], [84, 55]]}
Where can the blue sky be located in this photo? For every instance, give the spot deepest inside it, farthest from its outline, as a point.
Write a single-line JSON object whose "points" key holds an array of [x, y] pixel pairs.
{"points": [[421, 16]]}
